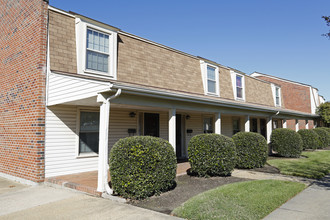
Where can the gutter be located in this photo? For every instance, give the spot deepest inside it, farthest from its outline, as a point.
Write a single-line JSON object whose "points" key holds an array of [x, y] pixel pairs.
{"points": [[204, 100]]}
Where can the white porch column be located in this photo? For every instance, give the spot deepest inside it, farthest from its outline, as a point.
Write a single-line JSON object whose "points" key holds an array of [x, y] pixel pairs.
{"points": [[297, 125], [284, 123], [217, 123], [306, 124], [247, 123], [315, 124], [103, 143], [269, 128], [172, 127]]}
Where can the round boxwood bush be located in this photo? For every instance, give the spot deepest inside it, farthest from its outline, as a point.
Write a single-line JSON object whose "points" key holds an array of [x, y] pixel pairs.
{"points": [[324, 137], [251, 148], [286, 142], [142, 166], [211, 155], [310, 139]]}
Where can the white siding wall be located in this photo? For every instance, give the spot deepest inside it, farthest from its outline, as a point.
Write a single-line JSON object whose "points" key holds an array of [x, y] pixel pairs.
{"points": [[60, 150], [63, 88]]}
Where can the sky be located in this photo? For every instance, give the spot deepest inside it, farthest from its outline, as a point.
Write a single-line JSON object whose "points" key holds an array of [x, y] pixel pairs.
{"points": [[275, 37]]}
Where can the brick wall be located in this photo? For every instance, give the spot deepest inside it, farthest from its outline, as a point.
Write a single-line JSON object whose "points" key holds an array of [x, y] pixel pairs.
{"points": [[23, 41], [295, 97]]}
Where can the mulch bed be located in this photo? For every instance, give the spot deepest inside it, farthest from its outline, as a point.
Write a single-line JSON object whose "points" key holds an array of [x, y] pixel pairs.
{"points": [[187, 187]]}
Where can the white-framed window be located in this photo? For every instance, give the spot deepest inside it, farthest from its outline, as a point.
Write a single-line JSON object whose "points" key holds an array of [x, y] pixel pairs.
{"points": [[238, 83], [277, 96], [208, 124], [210, 76], [236, 125], [96, 50], [276, 90], [88, 122]]}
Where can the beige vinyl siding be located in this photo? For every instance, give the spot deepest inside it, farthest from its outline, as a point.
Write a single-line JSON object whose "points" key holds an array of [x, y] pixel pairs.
{"points": [[120, 122], [60, 144], [195, 122], [66, 88], [163, 125], [227, 125]]}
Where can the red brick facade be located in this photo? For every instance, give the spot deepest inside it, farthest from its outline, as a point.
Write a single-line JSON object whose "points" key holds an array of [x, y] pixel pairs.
{"points": [[295, 97], [23, 51]]}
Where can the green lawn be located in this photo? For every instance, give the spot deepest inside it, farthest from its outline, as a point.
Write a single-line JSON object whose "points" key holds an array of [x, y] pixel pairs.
{"points": [[244, 200], [315, 166]]}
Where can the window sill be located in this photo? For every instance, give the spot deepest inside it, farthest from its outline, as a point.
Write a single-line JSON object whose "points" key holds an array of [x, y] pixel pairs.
{"points": [[240, 99], [97, 74], [87, 155], [212, 94]]}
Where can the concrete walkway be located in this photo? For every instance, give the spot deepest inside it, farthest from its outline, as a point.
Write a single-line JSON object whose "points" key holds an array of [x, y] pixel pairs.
{"points": [[312, 203], [42, 202]]}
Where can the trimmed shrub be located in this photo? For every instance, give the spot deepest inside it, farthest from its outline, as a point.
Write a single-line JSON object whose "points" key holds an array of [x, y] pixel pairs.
{"points": [[251, 148], [324, 137], [310, 139], [142, 166], [286, 142], [211, 155]]}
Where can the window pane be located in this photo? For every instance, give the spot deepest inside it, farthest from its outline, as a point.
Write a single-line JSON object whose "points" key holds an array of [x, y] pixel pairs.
{"points": [[97, 61], [211, 86], [208, 125], [239, 81], [90, 39], [89, 132], [96, 40], [236, 126], [239, 92], [210, 73], [277, 92], [277, 100], [89, 121], [106, 44]]}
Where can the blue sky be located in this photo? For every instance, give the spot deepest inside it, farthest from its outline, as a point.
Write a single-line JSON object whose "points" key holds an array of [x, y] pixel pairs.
{"points": [[276, 37]]}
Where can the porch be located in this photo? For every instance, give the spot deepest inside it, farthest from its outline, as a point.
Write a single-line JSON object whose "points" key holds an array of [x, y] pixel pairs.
{"points": [[87, 181]]}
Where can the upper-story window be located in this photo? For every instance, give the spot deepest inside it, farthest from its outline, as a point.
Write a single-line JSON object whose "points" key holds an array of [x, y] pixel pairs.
{"points": [[277, 96], [210, 75], [211, 81], [96, 50], [238, 84]]}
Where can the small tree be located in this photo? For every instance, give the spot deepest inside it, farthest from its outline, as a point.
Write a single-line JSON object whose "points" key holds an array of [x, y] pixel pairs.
{"points": [[324, 111], [327, 20]]}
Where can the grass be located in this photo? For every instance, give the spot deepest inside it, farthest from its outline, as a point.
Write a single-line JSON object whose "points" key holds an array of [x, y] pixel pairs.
{"points": [[244, 200], [315, 166]]}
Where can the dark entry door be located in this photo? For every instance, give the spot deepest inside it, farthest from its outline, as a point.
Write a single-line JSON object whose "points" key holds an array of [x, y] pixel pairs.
{"points": [[263, 130], [178, 137], [151, 124]]}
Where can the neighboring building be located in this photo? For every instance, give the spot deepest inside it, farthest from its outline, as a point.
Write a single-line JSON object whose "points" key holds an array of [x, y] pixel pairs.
{"points": [[72, 86]]}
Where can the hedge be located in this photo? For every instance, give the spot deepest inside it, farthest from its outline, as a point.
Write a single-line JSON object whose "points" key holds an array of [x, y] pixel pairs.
{"points": [[310, 139], [251, 148], [286, 142], [211, 155], [324, 137], [142, 166]]}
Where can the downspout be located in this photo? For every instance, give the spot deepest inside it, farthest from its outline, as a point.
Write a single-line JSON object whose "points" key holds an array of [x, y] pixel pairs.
{"points": [[106, 158]]}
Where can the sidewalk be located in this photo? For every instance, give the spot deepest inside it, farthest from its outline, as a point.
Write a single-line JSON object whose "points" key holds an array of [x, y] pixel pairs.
{"points": [[41, 202], [312, 203]]}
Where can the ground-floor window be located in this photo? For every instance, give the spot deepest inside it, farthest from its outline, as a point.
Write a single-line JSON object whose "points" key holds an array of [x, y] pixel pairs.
{"points": [[236, 125], [208, 125], [151, 124], [254, 125], [89, 132]]}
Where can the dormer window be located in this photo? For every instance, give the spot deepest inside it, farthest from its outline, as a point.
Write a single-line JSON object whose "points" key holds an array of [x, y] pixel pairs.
{"points": [[210, 75], [96, 50], [238, 83], [277, 96], [239, 86]]}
